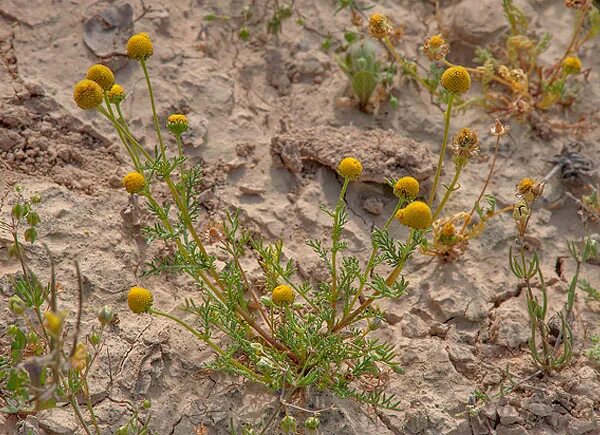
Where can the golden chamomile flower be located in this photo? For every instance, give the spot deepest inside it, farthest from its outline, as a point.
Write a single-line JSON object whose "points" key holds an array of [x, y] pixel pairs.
{"points": [[102, 75], [379, 26], [529, 189], [416, 215], [134, 182], [456, 80], [177, 123], [79, 359], [406, 187], [87, 94], [116, 94], [436, 48], [400, 215], [139, 300], [53, 323], [282, 294], [139, 46], [525, 185], [571, 65], [350, 168]]}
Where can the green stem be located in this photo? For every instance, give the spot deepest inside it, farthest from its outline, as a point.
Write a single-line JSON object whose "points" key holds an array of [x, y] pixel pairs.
{"points": [[346, 320], [438, 172], [179, 144], [371, 262], [336, 232], [404, 64], [79, 415], [128, 134], [449, 191], [485, 185], [393, 276], [111, 116], [208, 341], [152, 103]]}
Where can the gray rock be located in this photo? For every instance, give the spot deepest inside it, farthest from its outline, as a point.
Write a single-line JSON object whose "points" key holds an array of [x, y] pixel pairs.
{"points": [[375, 149], [509, 415], [511, 430], [580, 426]]}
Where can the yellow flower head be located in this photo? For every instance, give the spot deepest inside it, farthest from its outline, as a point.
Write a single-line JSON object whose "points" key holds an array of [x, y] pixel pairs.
{"points": [[406, 187], [282, 294], [79, 359], [139, 46], [116, 94], [139, 300], [350, 168], [379, 26], [416, 215], [529, 189], [87, 94], [400, 215], [571, 65], [53, 323], [436, 47], [134, 182], [456, 80], [177, 123], [525, 185], [102, 75]]}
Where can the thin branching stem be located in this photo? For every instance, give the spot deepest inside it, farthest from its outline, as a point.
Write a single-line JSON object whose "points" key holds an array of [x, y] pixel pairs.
{"points": [[438, 172]]}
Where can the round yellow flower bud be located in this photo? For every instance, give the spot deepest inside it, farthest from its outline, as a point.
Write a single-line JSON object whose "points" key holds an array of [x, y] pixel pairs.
{"points": [[116, 94], [87, 94], [102, 75], [456, 80], [400, 215], [134, 182], [282, 294], [379, 26], [350, 168], [416, 215], [140, 46], [406, 187], [53, 323], [139, 300], [571, 65], [177, 123]]}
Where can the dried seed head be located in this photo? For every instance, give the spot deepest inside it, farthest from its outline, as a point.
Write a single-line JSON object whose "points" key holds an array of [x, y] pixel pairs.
{"points": [[379, 26], [465, 144], [519, 80], [575, 4], [499, 129], [436, 48]]}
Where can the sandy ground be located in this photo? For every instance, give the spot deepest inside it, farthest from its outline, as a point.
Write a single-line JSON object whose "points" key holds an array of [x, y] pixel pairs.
{"points": [[269, 119]]}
